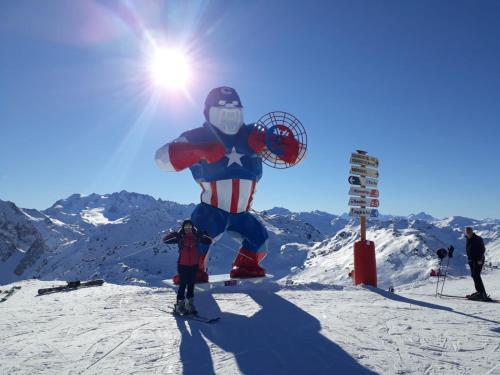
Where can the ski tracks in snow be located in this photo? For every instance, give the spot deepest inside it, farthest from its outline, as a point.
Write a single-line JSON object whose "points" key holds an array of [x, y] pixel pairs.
{"points": [[115, 330]]}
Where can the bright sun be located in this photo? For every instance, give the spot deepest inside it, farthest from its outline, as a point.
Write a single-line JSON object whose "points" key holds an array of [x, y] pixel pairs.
{"points": [[170, 69]]}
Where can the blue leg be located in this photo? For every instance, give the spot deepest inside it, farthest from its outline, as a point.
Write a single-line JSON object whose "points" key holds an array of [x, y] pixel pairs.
{"points": [[254, 245], [209, 219]]}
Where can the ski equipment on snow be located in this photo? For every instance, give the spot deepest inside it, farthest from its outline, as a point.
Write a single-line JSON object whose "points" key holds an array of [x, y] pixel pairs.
{"points": [[470, 297], [450, 255], [198, 318], [443, 253], [9, 293], [195, 317], [71, 285]]}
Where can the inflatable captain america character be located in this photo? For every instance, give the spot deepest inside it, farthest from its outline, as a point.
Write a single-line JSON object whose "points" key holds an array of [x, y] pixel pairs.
{"points": [[225, 158]]}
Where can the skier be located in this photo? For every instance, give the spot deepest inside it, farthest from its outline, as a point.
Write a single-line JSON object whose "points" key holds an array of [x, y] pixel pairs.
{"points": [[188, 239], [224, 156], [475, 254]]}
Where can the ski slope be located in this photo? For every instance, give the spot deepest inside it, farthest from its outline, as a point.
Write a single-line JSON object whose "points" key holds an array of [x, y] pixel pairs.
{"points": [[271, 328]]}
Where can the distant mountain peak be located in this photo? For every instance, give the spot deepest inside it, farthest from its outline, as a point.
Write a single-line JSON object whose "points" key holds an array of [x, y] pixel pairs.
{"points": [[422, 216], [277, 211]]}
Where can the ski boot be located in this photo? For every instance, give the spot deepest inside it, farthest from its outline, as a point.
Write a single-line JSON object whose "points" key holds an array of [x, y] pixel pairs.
{"points": [[246, 264], [189, 307], [180, 307], [473, 296], [485, 298]]}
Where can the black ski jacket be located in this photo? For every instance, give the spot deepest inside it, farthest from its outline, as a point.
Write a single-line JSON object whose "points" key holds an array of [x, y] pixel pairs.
{"points": [[475, 248]]}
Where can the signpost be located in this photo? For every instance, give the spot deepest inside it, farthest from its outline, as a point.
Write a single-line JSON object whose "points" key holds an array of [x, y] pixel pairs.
{"points": [[363, 181], [359, 212], [363, 159], [363, 200], [363, 192], [364, 172]]}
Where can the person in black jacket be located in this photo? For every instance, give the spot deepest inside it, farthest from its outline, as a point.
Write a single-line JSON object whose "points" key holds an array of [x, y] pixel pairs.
{"points": [[475, 254], [188, 239]]}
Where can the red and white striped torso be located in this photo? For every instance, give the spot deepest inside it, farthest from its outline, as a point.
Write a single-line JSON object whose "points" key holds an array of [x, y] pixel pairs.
{"points": [[232, 195]]}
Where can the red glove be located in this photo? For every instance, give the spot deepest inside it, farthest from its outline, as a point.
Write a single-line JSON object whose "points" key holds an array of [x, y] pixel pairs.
{"points": [[183, 154], [290, 150], [257, 140], [211, 152], [288, 145]]}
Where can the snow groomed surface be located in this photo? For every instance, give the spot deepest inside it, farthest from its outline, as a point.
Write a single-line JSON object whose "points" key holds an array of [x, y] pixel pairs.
{"points": [[264, 329]]}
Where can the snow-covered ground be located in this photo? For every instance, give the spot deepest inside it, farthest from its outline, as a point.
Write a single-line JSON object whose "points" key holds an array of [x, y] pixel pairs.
{"points": [[264, 329], [310, 321]]}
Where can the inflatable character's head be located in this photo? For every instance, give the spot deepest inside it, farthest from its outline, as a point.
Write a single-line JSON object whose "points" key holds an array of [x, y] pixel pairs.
{"points": [[223, 110]]}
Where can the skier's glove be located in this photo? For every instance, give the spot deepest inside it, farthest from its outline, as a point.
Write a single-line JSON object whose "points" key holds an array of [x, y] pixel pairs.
{"points": [[170, 238]]}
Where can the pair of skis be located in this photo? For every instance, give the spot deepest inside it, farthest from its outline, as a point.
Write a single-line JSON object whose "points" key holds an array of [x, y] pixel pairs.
{"points": [[71, 285], [463, 297], [194, 317], [5, 294]]}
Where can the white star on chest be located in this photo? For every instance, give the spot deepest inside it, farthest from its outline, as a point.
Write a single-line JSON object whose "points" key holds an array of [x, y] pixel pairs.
{"points": [[234, 157]]}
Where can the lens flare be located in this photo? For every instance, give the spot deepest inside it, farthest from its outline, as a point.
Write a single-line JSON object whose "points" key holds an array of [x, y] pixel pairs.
{"points": [[170, 69]]}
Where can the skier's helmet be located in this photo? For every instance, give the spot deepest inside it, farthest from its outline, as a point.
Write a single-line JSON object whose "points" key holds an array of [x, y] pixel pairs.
{"points": [[223, 110]]}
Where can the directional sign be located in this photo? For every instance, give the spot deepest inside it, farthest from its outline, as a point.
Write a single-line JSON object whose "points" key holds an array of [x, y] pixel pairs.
{"points": [[365, 172], [354, 180], [365, 160], [359, 212], [369, 182], [365, 157], [362, 192], [364, 202]]}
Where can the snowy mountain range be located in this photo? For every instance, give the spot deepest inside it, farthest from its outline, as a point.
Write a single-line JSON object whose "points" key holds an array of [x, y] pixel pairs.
{"points": [[117, 237]]}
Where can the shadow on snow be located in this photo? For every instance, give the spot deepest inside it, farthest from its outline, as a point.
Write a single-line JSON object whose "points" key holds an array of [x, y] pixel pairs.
{"points": [[398, 298], [279, 339]]}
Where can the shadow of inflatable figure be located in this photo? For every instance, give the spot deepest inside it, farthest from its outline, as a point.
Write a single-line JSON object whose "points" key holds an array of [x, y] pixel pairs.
{"points": [[280, 338]]}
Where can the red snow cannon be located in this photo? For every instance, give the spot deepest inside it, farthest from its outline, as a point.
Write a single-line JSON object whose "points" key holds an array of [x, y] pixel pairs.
{"points": [[365, 265]]}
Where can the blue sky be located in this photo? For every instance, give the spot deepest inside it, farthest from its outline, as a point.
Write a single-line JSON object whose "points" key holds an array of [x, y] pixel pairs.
{"points": [[416, 83]]}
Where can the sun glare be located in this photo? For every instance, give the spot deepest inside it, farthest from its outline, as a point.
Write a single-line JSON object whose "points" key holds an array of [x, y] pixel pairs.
{"points": [[170, 69]]}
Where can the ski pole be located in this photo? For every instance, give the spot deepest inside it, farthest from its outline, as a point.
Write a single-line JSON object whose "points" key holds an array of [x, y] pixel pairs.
{"points": [[450, 255], [438, 273], [441, 253]]}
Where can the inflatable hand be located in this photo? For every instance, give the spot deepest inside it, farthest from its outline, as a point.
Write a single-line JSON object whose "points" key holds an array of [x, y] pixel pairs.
{"points": [[257, 140], [212, 152], [184, 154], [281, 142]]}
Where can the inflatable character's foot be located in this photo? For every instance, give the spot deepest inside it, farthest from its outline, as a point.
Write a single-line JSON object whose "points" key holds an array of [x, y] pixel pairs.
{"points": [[201, 276], [247, 272], [176, 279], [246, 264]]}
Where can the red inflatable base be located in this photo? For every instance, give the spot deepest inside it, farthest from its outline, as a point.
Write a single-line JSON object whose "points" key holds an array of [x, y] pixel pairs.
{"points": [[365, 265]]}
